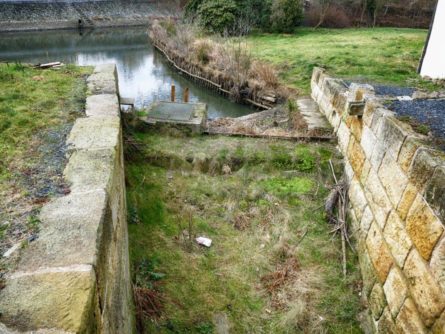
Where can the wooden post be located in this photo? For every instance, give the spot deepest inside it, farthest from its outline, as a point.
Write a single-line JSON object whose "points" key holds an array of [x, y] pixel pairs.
{"points": [[173, 93], [186, 95]]}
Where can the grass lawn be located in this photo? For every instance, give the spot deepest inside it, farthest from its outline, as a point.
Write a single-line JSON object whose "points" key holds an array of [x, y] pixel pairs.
{"points": [[380, 55], [37, 108], [273, 267]]}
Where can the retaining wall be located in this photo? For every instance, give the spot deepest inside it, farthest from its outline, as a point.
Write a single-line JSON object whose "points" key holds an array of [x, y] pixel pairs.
{"points": [[41, 15], [397, 196], [75, 278]]}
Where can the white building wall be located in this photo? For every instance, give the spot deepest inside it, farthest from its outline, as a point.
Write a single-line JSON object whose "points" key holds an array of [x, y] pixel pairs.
{"points": [[434, 61]]}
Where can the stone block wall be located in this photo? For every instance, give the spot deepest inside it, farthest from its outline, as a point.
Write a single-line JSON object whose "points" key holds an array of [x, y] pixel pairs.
{"points": [[75, 277], [397, 187]]}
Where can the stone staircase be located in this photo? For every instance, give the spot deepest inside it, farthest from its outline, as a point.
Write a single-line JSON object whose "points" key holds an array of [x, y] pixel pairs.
{"points": [[312, 115]]}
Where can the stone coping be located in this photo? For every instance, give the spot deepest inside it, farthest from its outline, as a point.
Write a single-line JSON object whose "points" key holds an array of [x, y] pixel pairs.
{"points": [[61, 283]]}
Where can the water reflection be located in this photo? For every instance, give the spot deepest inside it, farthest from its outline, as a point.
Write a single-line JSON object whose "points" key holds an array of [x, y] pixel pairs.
{"points": [[144, 74]]}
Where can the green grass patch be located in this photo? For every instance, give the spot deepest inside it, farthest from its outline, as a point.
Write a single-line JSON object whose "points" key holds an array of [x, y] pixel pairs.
{"points": [[31, 102], [262, 217], [380, 55]]}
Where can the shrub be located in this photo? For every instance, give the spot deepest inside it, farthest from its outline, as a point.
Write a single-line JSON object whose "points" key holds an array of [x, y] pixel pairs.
{"points": [[217, 16], [286, 15]]}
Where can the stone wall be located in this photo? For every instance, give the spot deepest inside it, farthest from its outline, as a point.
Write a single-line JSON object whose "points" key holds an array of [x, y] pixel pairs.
{"points": [[75, 277], [397, 196], [41, 15]]}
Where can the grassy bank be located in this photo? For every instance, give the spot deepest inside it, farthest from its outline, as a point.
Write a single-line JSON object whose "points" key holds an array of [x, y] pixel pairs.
{"points": [[37, 108], [381, 55], [273, 266]]}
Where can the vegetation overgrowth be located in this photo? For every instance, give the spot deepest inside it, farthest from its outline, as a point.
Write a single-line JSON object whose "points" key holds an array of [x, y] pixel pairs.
{"points": [[273, 266], [225, 62], [285, 15], [37, 108], [265, 63]]}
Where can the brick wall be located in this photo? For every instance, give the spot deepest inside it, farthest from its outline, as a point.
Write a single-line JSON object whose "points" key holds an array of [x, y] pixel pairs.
{"points": [[397, 196]]}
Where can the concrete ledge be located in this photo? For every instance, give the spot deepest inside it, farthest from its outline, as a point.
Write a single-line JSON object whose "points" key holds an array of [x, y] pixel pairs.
{"points": [[102, 105], [75, 277]]}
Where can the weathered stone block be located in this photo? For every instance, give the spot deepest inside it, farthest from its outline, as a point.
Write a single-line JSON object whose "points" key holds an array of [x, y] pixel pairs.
{"points": [[423, 227], [377, 198], [408, 321], [377, 118], [355, 125], [397, 239], [349, 172], [365, 172], [386, 323], [377, 154], [370, 108], [62, 299], [367, 270], [95, 133], [437, 264], [407, 200], [102, 105], [377, 301], [423, 166], [90, 170], [439, 325], [378, 252], [103, 80], [425, 292], [356, 156], [408, 151], [69, 232], [396, 290], [343, 135], [366, 221], [435, 192], [393, 179], [357, 198], [368, 141], [391, 134]]}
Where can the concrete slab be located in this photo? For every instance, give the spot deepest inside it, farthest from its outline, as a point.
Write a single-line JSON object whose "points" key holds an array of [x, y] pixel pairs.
{"points": [[90, 170], [95, 133], [62, 300], [102, 105], [70, 232], [312, 115], [190, 115]]}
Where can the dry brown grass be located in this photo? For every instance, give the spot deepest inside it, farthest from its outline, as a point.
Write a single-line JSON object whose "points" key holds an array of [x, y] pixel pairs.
{"points": [[223, 60], [148, 306], [264, 73]]}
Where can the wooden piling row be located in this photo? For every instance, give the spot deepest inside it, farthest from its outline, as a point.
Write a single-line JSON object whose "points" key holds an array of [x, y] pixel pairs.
{"points": [[196, 74]]}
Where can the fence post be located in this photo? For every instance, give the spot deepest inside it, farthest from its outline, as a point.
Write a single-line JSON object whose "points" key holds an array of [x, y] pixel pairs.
{"points": [[173, 93]]}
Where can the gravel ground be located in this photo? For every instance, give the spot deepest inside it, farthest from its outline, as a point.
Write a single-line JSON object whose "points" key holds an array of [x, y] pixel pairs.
{"points": [[429, 112], [385, 90], [393, 90]]}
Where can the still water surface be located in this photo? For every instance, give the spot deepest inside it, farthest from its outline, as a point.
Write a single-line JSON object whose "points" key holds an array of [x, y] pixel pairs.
{"points": [[144, 74]]}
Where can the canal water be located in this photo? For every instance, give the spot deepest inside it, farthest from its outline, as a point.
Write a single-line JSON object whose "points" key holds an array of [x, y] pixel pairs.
{"points": [[144, 73]]}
